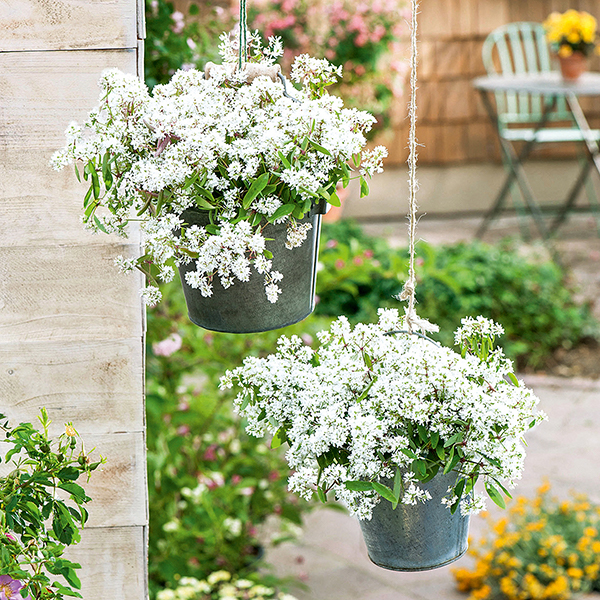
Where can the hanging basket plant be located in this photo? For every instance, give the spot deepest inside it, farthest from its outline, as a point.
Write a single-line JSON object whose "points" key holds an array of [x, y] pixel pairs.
{"points": [[227, 174], [396, 427]]}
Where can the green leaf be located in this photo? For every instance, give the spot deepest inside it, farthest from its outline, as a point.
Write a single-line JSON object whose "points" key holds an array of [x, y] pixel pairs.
{"points": [[63, 526], [423, 435], [321, 495], [203, 203], [408, 452], [286, 163], [397, 485], [364, 187], [76, 490], [279, 438], [456, 438], [68, 474], [419, 468], [323, 193], [99, 224], [334, 199], [366, 391], [258, 185], [87, 197], [319, 148], [282, 211], [65, 591], [453, 459], [95, 184], [459, 488], [507, 493], [106, 172], [384, 491], [439, 450], [359, 486], [514, 379], [71, 577], [494, 494]]}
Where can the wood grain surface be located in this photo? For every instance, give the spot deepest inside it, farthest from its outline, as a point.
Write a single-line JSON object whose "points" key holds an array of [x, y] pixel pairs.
{"points": [[72, 326], [67, 24]]}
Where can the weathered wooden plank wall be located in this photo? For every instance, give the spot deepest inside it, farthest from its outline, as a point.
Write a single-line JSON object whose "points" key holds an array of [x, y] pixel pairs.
{"points": [[71, 327], [453, 126]]}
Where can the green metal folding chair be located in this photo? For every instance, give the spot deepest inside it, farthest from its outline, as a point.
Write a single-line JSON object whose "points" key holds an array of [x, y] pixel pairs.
{"points": [[517, 49]]}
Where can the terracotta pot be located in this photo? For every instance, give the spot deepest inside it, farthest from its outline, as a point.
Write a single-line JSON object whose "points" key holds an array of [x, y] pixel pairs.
{"points": [[571, 67]]}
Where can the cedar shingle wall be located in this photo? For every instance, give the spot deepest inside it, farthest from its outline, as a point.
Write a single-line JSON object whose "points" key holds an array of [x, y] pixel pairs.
{"points": [[453, 126]]}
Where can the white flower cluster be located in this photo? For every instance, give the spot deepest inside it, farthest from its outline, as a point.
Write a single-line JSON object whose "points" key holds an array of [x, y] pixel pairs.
{"points": [[358, 400], [476, 327], [222, 585], [239, 150]]}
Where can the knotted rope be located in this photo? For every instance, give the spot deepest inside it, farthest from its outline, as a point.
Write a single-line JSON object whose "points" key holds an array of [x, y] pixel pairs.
{"points": [[413, 321]]}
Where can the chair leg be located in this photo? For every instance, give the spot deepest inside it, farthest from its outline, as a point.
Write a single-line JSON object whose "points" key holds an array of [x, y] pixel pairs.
{"points": [[579, 183], [510, 185], [515, 164]]}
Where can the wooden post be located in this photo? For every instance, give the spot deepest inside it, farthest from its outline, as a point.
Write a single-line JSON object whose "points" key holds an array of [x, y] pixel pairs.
{"points": [[71, 326]]}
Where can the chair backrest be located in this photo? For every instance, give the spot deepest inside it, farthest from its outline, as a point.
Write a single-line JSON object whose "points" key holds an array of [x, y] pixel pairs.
{"points": [[519, 48]]}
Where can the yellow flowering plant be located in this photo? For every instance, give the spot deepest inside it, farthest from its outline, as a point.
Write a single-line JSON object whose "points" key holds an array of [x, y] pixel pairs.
{"points": [[544, 549], [570, 32]]}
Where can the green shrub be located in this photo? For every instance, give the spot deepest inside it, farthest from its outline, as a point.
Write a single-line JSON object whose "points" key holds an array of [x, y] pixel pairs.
{"points": [[529, 295], [172, 43], [211, 486]]}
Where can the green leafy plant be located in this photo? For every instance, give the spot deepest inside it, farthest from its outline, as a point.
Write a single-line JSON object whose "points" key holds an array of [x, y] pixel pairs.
{"points": [[175, 41], [212, 488], [545, 548], [530, 294], [36, 523]]}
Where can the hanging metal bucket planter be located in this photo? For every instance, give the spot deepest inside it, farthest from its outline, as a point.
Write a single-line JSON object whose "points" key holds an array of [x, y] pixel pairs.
{"points": [[417, 537], [244, 307]]}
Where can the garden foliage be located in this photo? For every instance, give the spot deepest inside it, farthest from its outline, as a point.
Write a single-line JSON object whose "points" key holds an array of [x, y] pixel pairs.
{"points": [[529, 295], [212, 488], [42, 510]]}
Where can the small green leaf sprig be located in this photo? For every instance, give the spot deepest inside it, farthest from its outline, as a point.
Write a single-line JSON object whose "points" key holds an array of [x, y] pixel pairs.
{"points": [[36, 523]]}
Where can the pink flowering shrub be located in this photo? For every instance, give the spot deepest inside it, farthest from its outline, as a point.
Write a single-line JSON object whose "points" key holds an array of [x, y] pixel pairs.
{"points": [[364, 37]]}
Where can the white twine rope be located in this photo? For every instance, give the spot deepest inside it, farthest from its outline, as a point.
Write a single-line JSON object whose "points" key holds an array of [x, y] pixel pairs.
{"points": [[413, 321], [243, 42]]}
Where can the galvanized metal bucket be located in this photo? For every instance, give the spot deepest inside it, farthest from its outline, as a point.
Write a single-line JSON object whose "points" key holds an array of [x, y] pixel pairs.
{"points": [[417, 537], [244, 307]]}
